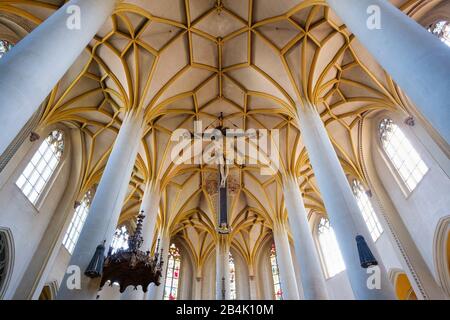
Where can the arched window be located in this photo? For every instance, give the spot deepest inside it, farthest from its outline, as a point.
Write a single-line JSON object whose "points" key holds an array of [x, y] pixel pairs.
{"points": [[329, 247], [442, 30], [77, 223], [5, 46], [402, 154], [173, 274], [39, 170], [3, 260], [232, 277], [366, 208], [275, 274], [120, 240]]}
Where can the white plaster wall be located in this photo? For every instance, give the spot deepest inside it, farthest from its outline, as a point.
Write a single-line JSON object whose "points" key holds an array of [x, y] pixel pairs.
{"points": [[209, 278], [339, 287], [109, 292], [186, 276], [263, 272], [387, 253], [422, 209], [26, 221], [60, 266], [242, 278]]}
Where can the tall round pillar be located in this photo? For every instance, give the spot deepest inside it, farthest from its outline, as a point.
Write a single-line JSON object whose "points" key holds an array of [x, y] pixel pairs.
{"points": [[132, 293], [34, 66], [285, 264], [252, 287], [222, 269], [105, 210], [313, 281], [340, 204], [417, 60], [198, 288], [150, 207]]}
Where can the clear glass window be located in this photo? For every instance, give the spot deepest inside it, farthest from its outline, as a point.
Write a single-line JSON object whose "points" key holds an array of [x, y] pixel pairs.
{"points": [[5, 46], [39, 170], [402, 154], [331, 253], [367, 211], [77, 223], [442, 30], [120, 240]]}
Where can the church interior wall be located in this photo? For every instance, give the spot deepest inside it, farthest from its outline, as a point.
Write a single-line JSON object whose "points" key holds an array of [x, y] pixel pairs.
{"points": [[411, 220], [421, 209], [26, 221]]}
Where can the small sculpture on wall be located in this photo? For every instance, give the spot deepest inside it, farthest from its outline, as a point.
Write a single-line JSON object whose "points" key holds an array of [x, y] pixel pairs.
{"points": [[410, 121], [34, 136]]}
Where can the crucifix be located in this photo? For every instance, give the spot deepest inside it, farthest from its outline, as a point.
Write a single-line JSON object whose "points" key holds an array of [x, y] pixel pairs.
{"points": [[223, 175]]}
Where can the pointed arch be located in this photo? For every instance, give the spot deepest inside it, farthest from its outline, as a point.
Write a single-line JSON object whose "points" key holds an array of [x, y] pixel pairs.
{"points": [[442, 253], [6, 259]]}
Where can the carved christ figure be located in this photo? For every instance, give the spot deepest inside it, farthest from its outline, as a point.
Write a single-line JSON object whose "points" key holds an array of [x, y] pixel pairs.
{"points": [[224, 171]]}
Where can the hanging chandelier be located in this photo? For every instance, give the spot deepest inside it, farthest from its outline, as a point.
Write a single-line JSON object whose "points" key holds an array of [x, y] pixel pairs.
{"points": [[131, 266]]}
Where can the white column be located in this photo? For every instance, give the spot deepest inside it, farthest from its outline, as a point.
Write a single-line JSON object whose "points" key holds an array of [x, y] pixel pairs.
{"points": [[198, 288], [222, 268], [417, 60], [157, 292], [34, 66], [285, 264], [131, 293], [313, 281], [150, 206], [109, 292], [253, 289], [341, 206], [104, 213]]}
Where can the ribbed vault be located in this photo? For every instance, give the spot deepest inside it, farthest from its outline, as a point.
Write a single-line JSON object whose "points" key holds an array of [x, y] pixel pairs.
{"points": [[188, 60]]}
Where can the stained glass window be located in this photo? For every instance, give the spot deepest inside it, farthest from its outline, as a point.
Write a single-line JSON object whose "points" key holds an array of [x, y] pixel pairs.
{"points": [[329, 247], [232, 278], [37, 173], [5, 46], [120, 240], [442, 30], [402, 154], [173, 274], [278, 293], [367, 211], [77, 223]]}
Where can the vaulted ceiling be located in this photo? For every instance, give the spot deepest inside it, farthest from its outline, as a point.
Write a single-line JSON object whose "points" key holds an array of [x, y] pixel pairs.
{"points": [[188, 60]]}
